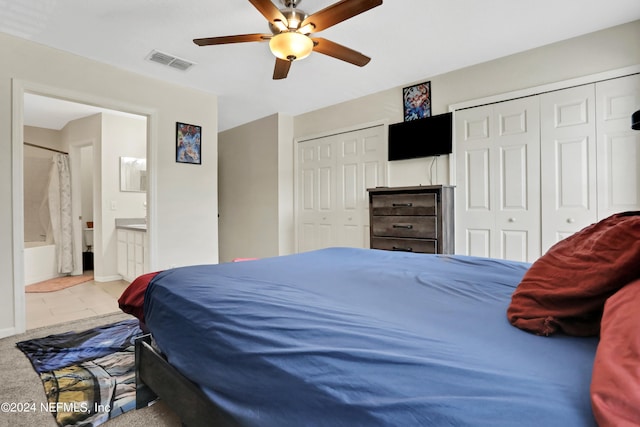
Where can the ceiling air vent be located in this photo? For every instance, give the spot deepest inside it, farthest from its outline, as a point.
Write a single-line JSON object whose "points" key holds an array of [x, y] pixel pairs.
{"points": [[169, 60]]}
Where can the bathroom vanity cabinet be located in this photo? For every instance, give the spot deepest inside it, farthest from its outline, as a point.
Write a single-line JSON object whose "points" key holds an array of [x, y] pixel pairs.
{"points": [[132, 252]]}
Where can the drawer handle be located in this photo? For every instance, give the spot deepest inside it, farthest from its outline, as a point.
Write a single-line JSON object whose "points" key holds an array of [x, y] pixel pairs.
{"points": [[399, 249], [402, 205], [407, 226]]}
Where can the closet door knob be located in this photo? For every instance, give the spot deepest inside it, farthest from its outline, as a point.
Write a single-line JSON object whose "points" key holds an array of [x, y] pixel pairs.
{"points": [[511, 220], [570, 221]]}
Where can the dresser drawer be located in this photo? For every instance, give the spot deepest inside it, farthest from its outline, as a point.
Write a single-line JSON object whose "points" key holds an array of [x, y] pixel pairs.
{"points": [[404, 204], [424, 227], [405, 245], [412, 219]]}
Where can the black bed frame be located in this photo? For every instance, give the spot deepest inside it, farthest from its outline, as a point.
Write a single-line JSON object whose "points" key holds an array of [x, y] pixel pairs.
{"points": [[156, 378]]}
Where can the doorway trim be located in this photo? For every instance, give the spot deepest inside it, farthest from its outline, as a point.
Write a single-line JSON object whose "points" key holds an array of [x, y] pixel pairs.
{"points": [[19, 87], [75, 149]]}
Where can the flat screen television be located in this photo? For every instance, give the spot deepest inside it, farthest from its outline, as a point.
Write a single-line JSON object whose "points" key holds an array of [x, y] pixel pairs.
{"points": [[431, 136]]}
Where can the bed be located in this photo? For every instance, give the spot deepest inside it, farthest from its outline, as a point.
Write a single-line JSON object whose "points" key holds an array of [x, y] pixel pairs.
{"points": [[361, 337]]}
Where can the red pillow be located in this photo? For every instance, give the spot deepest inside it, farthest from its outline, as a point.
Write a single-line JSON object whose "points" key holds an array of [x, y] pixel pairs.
{"points": [[567, 287], [615, 384], [132, 299]]}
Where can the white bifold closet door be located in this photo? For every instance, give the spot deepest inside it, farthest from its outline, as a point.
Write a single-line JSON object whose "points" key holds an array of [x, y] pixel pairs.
{"points": [[498, 186], [618, 146], [568, 159], [333, 174], [533, 171], [590, 155]]}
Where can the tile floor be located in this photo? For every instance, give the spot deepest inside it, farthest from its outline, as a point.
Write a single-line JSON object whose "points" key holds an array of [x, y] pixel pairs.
{"points": [[77, 302]]}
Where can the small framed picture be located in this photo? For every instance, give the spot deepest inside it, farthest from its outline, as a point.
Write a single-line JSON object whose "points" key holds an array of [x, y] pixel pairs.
{"points": [[417, 101], [188, 143]]}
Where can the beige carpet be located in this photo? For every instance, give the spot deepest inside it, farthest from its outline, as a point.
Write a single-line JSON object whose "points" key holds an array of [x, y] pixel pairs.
{"points": [[21, 383], [58, 283]]}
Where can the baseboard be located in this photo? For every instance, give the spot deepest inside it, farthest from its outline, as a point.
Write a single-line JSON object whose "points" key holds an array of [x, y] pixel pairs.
{"points": [[32, 280], [8, 332], [107, 278]]}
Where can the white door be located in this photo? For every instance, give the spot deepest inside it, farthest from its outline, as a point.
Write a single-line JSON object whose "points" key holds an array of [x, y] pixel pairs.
{"points": [[618, 146], [361, 164], [517, 158], [475, 219], [498, 189], [568, 156], [333, 175], [316, 193]]}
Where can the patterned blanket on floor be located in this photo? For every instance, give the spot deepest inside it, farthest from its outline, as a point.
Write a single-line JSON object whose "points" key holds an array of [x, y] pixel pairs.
{"points": [[88, 376]]}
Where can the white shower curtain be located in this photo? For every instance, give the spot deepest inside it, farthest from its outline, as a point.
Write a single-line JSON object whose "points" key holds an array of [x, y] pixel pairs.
{"points": [[60, 211]]}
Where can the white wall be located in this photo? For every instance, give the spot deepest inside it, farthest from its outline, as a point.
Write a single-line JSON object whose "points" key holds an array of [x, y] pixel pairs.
{"points": [[610, 49], [86, 190], [286, 209], [37, 164], [81, 132], [183, 197], [256, 189], [112, 136], [49, 138], [121, 136]]}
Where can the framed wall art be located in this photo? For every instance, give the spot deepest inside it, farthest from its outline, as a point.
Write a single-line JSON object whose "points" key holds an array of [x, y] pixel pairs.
{"points": [[188, 143], [417, 101]]}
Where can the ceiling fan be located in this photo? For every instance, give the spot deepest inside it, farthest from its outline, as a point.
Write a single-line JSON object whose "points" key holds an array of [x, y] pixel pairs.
{"points": [[291, 28]]}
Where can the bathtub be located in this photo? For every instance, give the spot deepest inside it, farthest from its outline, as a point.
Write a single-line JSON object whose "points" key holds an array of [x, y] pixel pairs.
{"points": [[39, 262]]}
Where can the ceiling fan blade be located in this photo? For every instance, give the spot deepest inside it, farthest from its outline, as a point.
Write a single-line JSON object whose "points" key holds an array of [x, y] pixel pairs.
{"points": [[339, 12], [242, 38], [281, 69], [269, 10], [327, 47]]}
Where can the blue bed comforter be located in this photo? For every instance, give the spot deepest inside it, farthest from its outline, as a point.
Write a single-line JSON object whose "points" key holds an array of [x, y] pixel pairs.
{"points": [[358, 337]]}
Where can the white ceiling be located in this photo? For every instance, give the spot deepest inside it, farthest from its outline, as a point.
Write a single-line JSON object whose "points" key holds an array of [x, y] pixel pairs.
{"points": [[408, 41], [51, 113]]}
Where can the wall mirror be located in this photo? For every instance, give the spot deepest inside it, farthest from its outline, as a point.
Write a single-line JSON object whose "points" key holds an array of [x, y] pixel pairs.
{"points": [[133, 174]]}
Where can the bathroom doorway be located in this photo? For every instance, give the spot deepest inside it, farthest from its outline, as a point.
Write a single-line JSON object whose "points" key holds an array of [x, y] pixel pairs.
{"points": [[95, 138], [63, 125], [82, 186]]}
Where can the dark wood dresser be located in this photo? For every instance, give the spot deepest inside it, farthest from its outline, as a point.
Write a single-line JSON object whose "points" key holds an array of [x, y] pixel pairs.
{"points": [[412, 219]]}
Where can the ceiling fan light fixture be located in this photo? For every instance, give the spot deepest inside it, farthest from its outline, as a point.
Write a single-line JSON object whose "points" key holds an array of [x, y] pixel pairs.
{"points": [[307, 29], [294, 22], [280, 26], [291, 45]]}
